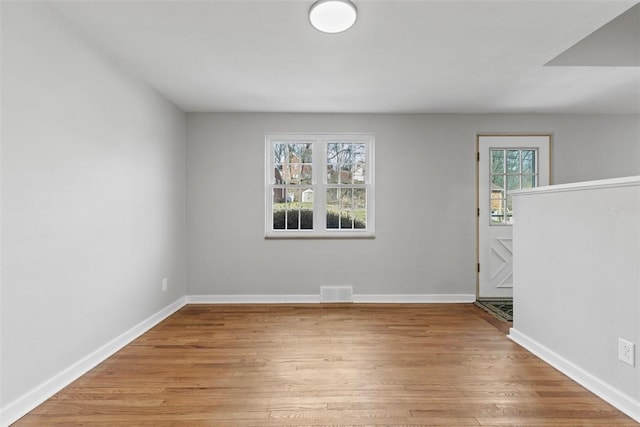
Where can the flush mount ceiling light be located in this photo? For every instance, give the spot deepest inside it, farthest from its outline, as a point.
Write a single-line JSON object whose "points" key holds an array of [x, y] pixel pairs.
{"points": [[333, 16]]}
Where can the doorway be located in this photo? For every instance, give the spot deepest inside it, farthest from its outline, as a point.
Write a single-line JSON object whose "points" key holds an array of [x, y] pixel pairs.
{"points": [[505, 163]]}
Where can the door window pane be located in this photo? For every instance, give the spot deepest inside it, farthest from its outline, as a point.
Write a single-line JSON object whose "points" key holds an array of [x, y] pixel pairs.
{"points": [[528, 161], [497, 161], [497, 182], [511, 169], [528, 181], [513, 182], [513, 161]]}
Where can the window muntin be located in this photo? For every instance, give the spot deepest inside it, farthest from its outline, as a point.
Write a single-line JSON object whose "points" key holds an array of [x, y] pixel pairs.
{"points": [[511, 169], [319, 185]]}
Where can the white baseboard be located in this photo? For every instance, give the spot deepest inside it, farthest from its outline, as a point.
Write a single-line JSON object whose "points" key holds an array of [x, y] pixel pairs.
{"points": [[315, 299], [253, 299], [30, 400], [415, 298], [605, 391]]}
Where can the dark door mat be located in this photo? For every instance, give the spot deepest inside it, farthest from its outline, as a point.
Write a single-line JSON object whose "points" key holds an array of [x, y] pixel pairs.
{"points": [[501, 309]]}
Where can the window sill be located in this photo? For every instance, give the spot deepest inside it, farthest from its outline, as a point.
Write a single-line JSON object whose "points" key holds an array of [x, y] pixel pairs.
{"points": [[315, 235]]}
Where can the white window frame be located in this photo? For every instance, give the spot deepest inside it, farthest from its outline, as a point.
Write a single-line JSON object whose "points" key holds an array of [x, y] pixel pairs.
{"points": [[319, 184]]}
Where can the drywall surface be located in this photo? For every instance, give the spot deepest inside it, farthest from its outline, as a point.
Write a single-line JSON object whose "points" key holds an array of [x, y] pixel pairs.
{"points": [[577, 279], [93, 178], [423, 211], [425, 196]]}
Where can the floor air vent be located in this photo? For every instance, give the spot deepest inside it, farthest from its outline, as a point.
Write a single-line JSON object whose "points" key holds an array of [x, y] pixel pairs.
{"points": [[336, 293]]}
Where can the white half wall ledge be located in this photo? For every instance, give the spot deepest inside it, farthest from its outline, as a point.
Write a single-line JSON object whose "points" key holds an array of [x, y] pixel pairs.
{"points": [[605, 391], [629, 181], [15, 410], [315, 299]]}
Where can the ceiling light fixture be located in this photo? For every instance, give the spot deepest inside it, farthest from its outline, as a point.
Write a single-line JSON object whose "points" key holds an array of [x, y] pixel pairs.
{"points": [[333, 16]]}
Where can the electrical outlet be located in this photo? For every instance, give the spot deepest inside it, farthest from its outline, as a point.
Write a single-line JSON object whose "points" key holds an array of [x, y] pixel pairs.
{"points": [[165, 284], [626, 352]]}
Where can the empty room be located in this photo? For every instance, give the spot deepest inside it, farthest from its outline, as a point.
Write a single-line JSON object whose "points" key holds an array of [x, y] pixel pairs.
{"points": [[331, 212]]}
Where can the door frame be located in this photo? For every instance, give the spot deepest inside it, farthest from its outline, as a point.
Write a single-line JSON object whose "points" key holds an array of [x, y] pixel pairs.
{"points": [[477, 158]]}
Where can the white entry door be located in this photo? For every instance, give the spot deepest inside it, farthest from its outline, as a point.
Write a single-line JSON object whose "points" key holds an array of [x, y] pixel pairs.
{"points": [[505, 163]]}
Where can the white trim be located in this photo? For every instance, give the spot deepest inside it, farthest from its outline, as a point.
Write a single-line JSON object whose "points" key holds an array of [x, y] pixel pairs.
{"points": [[319, 185], [315, 299], [630, 181], [415, 298], [30, 400], [610, 394], [253, 299]]}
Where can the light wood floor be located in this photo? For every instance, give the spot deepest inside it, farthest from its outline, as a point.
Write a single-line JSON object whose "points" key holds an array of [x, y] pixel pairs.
{"points": [[293, 365]]}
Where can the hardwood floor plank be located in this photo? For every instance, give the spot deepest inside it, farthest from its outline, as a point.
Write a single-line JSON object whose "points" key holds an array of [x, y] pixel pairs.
{"points": [[336, 364]]}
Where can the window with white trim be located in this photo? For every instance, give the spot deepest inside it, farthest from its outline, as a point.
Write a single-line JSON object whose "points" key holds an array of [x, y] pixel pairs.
{"points": [[319, 185]]}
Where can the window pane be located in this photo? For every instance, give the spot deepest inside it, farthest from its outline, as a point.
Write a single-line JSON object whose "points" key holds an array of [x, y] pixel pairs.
{"points": [[497, 207], [279, 195], [292, 208], [306, 197], [508, 218], [345, 220], [345, 174], [332, 197], [337, 153], [306, 219], [346, 153], [279, 153], [529, 161], [359, 153], [292, 195], [359, 198], [497, 161], [277, 171], [513, 161], [346, 198], [300, 152], [358, 174], [293, 219], [306, 154], [496, 200], [332, 174], [305, 175], [497, 182], [293, 163], [279, 218], [528, 181], [333, 219], [333, 208], [359, 211], [513, 182]]}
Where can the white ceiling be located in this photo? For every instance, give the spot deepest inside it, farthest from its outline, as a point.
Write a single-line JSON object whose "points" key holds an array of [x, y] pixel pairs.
{"points": [[401, 56]]}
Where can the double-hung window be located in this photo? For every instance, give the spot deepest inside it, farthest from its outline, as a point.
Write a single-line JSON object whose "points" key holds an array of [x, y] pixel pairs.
{"points": [[319, 185]]}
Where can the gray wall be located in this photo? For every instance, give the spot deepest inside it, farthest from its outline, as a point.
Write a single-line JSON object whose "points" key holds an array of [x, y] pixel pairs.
{"points": [[425, 199], [93, 199]]}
